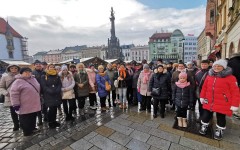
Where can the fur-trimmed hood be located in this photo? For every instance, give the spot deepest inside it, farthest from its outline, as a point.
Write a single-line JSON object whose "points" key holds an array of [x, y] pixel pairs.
{"points": [[222, 74]]}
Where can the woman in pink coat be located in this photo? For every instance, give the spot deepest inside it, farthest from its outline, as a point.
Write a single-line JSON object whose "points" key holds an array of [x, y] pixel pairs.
{"points": [[25, 99], [142, 86]]}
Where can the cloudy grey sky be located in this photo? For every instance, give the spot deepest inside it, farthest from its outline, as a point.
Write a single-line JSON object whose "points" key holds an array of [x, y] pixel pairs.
{"points": [[55, 24]]}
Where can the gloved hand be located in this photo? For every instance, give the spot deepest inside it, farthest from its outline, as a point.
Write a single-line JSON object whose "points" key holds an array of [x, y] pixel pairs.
{"points": [[203, 101], [16, 108], [234, 109]]}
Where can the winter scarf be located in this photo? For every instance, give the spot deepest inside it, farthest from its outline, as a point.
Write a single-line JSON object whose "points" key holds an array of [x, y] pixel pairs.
{"points": [[122, 73], [51, 73], [146, 77], [182, 85], [184, 70], [102, 74]]}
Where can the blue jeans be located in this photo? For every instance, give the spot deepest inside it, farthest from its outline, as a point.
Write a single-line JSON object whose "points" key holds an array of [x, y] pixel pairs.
{"points": [[122, 94]]}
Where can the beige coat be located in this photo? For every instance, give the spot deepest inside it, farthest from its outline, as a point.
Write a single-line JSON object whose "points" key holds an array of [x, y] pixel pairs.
{"points": [[6, 79]]}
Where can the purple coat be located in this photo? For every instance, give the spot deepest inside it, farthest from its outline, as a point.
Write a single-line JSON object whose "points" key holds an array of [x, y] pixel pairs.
{"points": [[25, 95]]}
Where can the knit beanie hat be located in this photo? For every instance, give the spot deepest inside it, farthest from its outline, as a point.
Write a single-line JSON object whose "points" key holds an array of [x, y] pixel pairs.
{"points": [[189, 63], [100, 67], [221, 62], [145, 66], [183, 75], [64, 67]]}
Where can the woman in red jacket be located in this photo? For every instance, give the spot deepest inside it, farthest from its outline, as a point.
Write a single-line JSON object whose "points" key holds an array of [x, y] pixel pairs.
{"points": [[219, 94]]}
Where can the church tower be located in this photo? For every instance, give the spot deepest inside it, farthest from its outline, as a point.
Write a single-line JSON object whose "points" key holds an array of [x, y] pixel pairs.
{"points": [[114, 50]]}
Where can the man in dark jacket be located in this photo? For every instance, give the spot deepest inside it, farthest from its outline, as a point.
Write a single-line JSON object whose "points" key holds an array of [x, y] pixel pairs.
{"points": [[129, 84], [138, 69], [234, 63], [38, 72], [200, 76]]}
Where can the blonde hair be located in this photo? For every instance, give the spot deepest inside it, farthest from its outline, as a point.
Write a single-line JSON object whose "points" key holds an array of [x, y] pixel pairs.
{"points": [[80, 64], [175, 65], [100, 67]]}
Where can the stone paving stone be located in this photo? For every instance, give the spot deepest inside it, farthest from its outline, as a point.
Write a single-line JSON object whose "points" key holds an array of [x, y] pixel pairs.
{"points": [[136, 119], [124, 116], [151, 124], [94, 148], [141, 136], [122, 121], [196, 145], [81, 144], [34, 147], [175, 146], [158, 143], [11, 146], [90, 136], [46, 141], [228, 145], [137, 145], [67, 148], [120, 138], [3, 140], [105, 143], [201, 139], [104, 131], [120, 128], [58, 140], [153, 148], [171, 130], [230, 137], [140, 127], [8, 135], [83, 133], [165, 135], [64, 143]]}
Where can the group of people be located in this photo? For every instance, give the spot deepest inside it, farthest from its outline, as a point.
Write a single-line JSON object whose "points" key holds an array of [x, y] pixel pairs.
{"points": [[39, 93]]}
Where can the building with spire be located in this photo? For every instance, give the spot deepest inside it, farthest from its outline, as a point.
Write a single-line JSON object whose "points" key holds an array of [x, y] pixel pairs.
{"points": [[114, 50], [13, 46]]}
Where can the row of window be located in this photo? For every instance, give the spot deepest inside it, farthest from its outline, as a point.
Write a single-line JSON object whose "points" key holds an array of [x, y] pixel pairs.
{"points": [[190, 48], [139, 58], [190, 53], [190, 43], [166, 56]]}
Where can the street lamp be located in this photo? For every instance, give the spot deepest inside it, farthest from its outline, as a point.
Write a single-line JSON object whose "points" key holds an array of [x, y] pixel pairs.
{"points": [[183, 49]]}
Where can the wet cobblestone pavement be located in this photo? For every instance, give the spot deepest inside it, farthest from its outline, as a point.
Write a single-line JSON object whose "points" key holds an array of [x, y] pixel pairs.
{"points": [[113, 130]]}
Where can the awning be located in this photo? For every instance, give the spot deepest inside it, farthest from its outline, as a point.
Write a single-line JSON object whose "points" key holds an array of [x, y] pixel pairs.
{"points": [[16, 62]]}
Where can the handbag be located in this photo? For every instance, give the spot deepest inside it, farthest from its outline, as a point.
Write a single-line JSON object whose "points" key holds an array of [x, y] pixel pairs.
{"points": [[156, 92], [68, 94], [107, 86], [116, 83]]}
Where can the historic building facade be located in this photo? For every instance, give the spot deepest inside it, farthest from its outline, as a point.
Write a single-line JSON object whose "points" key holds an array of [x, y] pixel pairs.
{"points": [[114, 50], [72, 52], [190, 48], [203, 47], [13, 46], [233, 31], [53, 56], [126, 51], [139, 53], [167, 46], [39, 56]]}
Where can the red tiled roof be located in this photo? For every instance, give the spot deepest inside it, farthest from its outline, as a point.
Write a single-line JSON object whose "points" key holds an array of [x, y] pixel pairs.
{"points": [[3, 28], [160, 36]]}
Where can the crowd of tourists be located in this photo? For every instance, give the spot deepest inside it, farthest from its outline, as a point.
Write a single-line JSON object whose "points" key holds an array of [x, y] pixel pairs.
{"points": [[41, 93]]}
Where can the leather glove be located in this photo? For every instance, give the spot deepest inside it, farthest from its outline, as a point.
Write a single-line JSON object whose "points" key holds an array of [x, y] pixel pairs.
{"points": [[203, 101], [234, 109], [16, 108]]}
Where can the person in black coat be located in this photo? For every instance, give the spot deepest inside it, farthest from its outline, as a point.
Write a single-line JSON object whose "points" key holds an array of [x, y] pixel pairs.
{"points": [[182, 95], [161, 83], [234, 63], [200, 77], [38, 72], [51, 85], [138, 69]]}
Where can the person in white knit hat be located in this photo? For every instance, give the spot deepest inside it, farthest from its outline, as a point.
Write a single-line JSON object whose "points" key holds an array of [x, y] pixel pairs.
{"points": [[220, 94]]}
